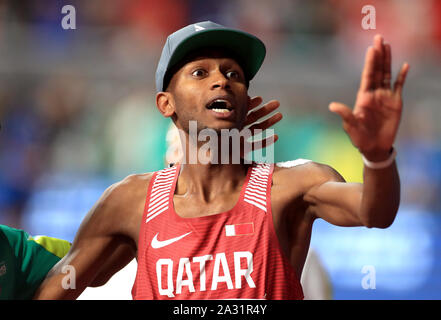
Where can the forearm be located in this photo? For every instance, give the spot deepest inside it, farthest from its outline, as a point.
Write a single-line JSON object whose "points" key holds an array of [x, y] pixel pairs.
{"points": [[67, 279], [57, 287], [380, 196]]}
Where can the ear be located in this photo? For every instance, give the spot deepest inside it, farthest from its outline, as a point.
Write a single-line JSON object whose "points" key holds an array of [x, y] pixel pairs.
{"points": [[165, 103]]}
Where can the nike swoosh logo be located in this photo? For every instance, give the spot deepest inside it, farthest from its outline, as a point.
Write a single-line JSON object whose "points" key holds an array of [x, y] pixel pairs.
{"points": [[156, 244]]}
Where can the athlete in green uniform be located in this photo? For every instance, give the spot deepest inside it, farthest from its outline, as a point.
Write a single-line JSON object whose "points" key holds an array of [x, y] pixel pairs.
{"points": [[25, 261]]}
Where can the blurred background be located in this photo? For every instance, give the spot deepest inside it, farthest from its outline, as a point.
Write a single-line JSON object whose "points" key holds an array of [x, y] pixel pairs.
{"points": [[77, 109]]}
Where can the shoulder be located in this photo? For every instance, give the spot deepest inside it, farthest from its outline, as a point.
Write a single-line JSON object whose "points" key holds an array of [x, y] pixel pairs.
{"points": [[126, 190], [12, 236], [57, 247], [118, 205], [9, 231], [304, 173], [18, 237]]}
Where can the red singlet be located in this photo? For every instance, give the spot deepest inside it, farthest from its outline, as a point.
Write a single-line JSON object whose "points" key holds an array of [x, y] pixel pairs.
{"points": [[229, 255]]}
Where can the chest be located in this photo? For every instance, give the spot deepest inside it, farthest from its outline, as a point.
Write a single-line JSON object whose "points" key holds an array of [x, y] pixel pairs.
{"points": [[287, 208], [192, 206]]}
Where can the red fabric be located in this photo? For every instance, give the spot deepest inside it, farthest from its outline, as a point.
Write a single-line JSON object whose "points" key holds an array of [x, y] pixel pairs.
{"points": [[192, 258], [244, 228]]}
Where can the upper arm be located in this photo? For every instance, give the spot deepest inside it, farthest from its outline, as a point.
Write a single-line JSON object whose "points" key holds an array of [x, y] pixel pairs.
{"points": [[330, 197], [100, 236], [119, 258]]}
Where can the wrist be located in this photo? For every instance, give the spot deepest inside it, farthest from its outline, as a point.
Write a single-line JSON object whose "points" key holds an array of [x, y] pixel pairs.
{"points": [[377, 155], [379, 160]]}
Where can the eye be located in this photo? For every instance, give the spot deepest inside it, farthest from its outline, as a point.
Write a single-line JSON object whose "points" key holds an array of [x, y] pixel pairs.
{"points": [[198, 73], [233, 75]]}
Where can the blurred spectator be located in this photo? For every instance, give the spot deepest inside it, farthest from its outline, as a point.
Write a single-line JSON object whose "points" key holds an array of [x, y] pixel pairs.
{"points": [[23, 147], [420, 158]]}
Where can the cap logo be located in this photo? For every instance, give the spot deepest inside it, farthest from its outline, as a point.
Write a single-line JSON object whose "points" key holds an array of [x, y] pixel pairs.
{"points": [[198, 28]]}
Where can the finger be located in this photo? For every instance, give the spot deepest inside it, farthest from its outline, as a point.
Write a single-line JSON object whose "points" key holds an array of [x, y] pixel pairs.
{"points": [[367, 75], [254, 102], [343, 111], [387, 73], [267, 123], [399, 83], [379, 54], [262, 112], [262, 144]]}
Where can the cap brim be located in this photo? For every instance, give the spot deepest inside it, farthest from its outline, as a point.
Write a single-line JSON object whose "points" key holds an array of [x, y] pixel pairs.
{"points": [[248, 48]]}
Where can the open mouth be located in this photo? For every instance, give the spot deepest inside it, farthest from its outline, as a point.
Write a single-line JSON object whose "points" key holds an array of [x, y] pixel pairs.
{"points": [[220, 105]]}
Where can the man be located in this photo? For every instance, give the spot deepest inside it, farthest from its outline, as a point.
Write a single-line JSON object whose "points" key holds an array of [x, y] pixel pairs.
{"points": [[25, 261], [315, 281], [219, 231]]}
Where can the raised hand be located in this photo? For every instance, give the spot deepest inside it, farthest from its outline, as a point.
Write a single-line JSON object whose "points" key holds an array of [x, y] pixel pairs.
{"points": [[373, 123], [251, 122]]}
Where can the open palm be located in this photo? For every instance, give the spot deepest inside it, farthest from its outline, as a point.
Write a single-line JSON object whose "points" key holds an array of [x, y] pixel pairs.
{"points": [[372, 124]]}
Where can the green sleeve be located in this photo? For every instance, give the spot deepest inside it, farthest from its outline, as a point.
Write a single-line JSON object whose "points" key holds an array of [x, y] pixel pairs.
{"points": [[34, 258], [8, 274]]}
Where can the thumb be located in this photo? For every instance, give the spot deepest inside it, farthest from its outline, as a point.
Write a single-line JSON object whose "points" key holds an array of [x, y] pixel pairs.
{"points": [[343, 111]]}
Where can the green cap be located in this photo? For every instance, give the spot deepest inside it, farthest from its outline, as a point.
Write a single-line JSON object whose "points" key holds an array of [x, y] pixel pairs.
{"points": [[247, 48]]}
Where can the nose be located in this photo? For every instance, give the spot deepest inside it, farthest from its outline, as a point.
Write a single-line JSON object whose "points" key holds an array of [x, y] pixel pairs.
{"points": [[220, 81]]}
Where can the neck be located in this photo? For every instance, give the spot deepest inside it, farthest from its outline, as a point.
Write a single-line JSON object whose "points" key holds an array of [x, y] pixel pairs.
{"points": [[213, 147], [210, 166], [208, 180]]}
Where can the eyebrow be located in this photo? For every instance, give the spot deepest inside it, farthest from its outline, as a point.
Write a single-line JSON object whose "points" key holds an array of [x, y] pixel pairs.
{"points": [[233, 64], [205, 54]]}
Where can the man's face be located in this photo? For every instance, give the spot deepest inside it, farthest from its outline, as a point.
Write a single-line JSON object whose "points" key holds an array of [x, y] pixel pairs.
{"points": [[210, 89]]}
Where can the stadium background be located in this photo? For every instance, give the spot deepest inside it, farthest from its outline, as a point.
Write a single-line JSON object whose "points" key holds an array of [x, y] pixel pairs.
{"points": [[77, 113]]}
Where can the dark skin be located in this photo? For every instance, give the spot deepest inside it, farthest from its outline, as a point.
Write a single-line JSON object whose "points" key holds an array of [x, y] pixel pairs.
{"points": [[108, 237]]}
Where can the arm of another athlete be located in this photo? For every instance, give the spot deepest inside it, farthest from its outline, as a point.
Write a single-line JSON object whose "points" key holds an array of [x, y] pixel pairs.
{"points": [[103, 244], [372, 204]]}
